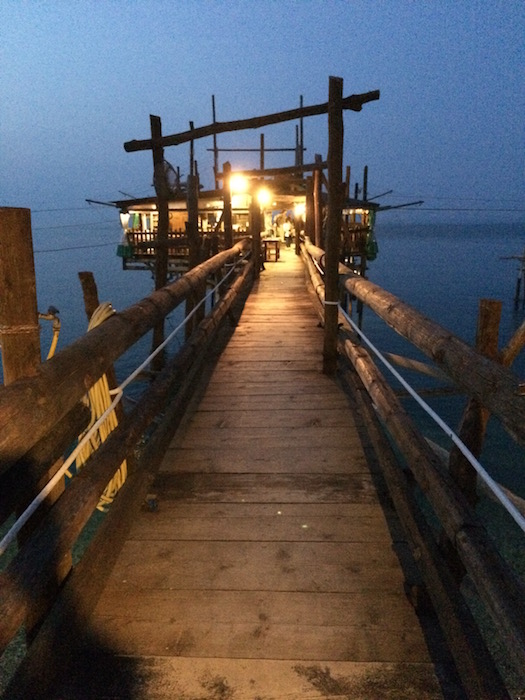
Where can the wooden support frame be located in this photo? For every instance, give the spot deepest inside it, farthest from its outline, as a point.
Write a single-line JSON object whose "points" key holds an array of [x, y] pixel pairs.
{"points": [[30, 407], [333, 224], [19, 329], [32, 567], [352, 102]]}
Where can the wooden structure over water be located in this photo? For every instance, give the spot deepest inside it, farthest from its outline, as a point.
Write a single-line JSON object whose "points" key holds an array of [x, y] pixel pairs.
{"points": [[269, 541]]}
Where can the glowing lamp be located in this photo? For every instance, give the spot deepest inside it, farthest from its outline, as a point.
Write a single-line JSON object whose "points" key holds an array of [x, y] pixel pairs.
{"points": [[299, 210], [264, 196], [238, 183]]}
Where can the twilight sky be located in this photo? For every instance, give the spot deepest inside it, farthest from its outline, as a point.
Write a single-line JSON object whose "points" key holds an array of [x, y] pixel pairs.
{"points": [[78, 78]]}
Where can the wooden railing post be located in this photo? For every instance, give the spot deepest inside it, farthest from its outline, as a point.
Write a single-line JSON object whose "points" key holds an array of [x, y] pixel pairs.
{"points": [[255, 228], [19, 329], [227, 198], [318, 209], [474, 421], [309, 222], [161, 249], [333, 228], [20, 343], [192, 233]]}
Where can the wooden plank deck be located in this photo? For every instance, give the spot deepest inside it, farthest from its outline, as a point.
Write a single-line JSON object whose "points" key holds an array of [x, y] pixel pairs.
{"points": [[270, 568]]}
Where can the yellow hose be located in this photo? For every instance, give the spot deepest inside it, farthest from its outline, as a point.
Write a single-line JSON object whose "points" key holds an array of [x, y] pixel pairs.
{"points": [[99, 400]]}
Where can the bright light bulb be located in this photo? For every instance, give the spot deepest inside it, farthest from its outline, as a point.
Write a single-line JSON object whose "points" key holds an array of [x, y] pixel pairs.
{"points": [[299, 210], [238, 183], [264, 196]]}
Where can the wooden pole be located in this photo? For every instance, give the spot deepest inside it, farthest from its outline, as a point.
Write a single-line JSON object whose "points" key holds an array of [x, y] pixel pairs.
{"points": [[352, 102], [309, 222], [347, 181], [227, 198], [333, 228], [192, 233], [19, 329], [474, 421], [496, 387], [255, 228], [261, 159], [161, 256], [215, 149], [301, 133], [91, 303], [287, 170], [318, 205], [20, 341], [29, 408]]}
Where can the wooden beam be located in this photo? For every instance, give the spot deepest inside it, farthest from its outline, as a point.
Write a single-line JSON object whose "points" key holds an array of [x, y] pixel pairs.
{"points": [[495, 386], [227, 206], [501, 590], [289, 169], [333, 223], [353, 102], [32, 568], [19, 329], [30, 407], [161, 253], [474, 664]]}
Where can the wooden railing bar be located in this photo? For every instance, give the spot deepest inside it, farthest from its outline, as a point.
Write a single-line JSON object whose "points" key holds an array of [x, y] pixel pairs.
{"points": [[30, 407], [32, 567], [496, 387]]}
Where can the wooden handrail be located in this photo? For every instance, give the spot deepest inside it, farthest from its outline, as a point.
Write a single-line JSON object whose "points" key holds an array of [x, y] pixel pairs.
{"points": [[501, 591], [352, 102], [30, 407], [33, 566], [496, 387]]}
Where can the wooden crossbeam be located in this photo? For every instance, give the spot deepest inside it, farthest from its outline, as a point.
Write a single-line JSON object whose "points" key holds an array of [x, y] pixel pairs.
{"points": [[352, 102]]}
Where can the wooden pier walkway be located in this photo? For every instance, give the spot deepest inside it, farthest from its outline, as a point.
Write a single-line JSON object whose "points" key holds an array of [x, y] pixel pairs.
{"points": [[268, 566]]}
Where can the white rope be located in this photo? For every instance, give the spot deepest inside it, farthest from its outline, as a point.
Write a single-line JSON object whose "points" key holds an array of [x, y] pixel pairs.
{"points": [[483, 474], [118, 394]]}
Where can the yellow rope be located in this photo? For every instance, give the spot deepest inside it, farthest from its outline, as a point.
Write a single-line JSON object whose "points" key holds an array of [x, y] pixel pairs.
{"points": [[99, 400]]}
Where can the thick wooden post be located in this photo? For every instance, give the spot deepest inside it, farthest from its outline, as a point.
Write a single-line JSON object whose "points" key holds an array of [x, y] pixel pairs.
{"points": [[20, 342], [309, 223], [474, 421], [333, 228], [255, 228], [161, 254], [91, 303], [192, 232], [261, 160], [318, 207], [227, 199], [19, 329]]}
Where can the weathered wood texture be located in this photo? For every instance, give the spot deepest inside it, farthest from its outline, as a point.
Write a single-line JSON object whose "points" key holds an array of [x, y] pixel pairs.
{"points": [[19, 330], [29, 408], [493, 385], [352, 102], [32, 567], [268, 563]]}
